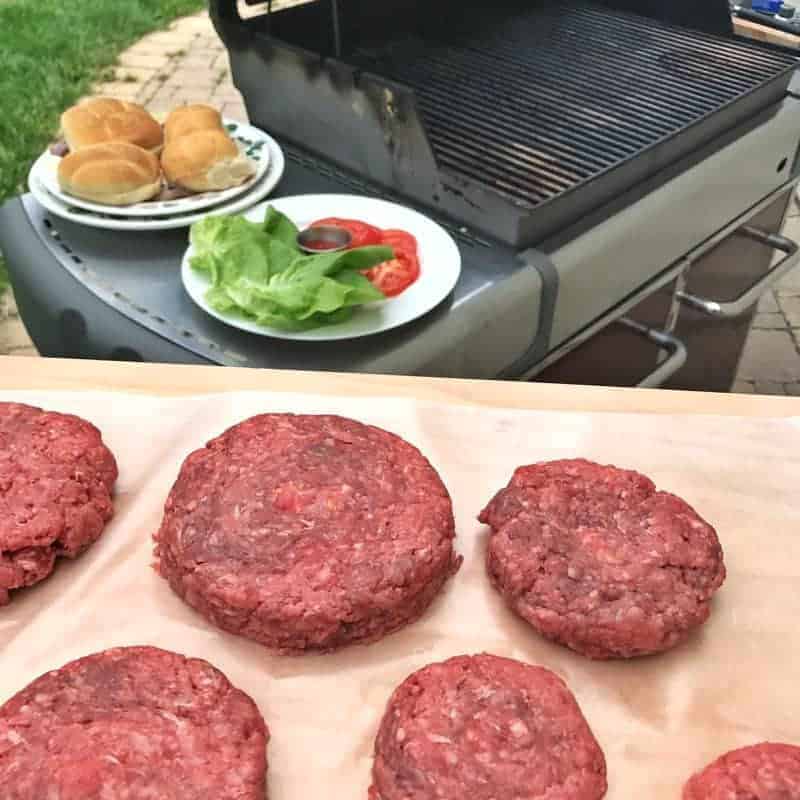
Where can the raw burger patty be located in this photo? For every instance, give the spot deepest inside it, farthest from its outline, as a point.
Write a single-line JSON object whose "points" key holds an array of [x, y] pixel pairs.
{"points": [[485, 728], [593, 557], [133, 723], [764, 771], [307, 532], [56, 478]]}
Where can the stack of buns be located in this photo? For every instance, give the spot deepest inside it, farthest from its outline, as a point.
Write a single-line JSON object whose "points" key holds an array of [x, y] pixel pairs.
{"points": [[119, 154]]}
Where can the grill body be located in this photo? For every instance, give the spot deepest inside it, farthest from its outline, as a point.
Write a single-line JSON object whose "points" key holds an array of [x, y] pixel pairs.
{"points": [[517, 118]]}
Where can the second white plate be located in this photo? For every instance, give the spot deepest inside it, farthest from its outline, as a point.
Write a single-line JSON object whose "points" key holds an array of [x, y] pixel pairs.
{"points": [[439, 257]]}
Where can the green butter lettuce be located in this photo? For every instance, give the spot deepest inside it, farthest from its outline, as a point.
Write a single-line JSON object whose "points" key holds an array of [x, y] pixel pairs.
{"points": [[257, 270]]}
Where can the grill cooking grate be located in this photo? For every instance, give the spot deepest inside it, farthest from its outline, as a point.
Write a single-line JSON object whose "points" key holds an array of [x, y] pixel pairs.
{"points": [[540, 102]]}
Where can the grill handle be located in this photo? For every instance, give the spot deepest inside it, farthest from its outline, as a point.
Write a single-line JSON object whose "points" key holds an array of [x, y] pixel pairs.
{"points": [[675, 348], [751, 295]]}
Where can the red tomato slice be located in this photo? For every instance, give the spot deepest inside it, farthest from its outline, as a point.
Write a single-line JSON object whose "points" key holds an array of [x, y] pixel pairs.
{"points": [[391, 277], [362, 233], [395, 276], [400, 240]]}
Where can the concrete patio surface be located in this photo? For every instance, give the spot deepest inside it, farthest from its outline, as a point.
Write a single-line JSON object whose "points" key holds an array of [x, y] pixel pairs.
{"points": [[187, 63]]}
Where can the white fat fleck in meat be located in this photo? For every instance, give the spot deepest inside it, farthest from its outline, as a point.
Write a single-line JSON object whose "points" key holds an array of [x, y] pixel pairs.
{"points": [[141, 743], [519, 728], [324, 574], [435, 737], [484, 692], [400, 735], [111, 759], [13, 737]]}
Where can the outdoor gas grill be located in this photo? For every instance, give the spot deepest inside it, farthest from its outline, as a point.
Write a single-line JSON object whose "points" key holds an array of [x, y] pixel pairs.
{"points": [[616, 175]]}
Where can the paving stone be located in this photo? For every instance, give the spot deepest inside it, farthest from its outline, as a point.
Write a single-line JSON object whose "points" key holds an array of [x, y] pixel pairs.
{"points": [[195, 23], [192, 79], [122, 90], [27, 352], [770, 321], [147, 91], [770, 387], [768, 303], [794, 206], [743, 387], [770, 356], [167, 40], [193, 61], [791, 309], [136, 75], [224, 95], [235, 111], [136, 59], [789, 285], [182, 97], [163, 95], [8, 305], [13, 335], [221, 61]]}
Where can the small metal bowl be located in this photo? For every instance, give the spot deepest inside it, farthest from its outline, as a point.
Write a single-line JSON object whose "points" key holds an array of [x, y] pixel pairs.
{"points": [[335, 239]]}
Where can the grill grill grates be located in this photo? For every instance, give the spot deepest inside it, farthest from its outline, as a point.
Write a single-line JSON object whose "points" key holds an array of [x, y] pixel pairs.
{"points": [[537, 103]]}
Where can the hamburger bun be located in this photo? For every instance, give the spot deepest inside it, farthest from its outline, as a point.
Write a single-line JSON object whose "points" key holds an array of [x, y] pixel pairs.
{"points": [[114, 174], [104, 120], [189, 119], [205, 161]]}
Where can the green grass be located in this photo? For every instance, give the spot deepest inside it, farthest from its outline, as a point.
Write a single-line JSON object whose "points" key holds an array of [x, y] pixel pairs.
{"points": [[50, 51]]}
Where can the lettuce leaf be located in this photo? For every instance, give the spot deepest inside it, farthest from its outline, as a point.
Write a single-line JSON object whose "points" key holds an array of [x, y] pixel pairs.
{"points": [[257, 270]]}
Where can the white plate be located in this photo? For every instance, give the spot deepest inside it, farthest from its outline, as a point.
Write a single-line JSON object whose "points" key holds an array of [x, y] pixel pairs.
{"points": [[440, 266], [255, 192], [251, 141]]}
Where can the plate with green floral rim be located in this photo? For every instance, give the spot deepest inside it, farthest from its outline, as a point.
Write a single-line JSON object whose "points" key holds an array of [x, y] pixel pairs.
{"points": [[252, 142], [94, 219]]}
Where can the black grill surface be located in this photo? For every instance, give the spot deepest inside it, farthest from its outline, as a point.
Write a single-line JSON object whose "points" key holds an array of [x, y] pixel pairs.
{"points": [[541, 102]]}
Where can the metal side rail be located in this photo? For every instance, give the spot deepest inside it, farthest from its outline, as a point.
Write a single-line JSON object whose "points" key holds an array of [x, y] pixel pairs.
{"points": [[674, 347], [750, 296]]}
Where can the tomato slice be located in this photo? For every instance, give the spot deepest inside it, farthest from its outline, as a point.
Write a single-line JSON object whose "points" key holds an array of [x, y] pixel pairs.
{"points": [[391, 277], [395, 276], [362, 233], [399, 240]]}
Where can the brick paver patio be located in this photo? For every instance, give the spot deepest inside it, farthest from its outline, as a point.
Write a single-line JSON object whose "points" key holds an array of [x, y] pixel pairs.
{"points": [[187, 63]]}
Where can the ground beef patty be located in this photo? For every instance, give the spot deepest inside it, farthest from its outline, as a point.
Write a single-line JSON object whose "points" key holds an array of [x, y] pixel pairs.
{"points": [[307, 532], [56, 478], [485, 728], [133, 723], [596, 559], [764, 771]]}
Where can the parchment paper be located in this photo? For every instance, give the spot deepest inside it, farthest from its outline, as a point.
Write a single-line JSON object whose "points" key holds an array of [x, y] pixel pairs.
{"points": [[657, 719]]}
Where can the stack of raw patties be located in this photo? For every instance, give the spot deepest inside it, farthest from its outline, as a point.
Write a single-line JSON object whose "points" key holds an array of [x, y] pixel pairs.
{"points": [[118, 154]]}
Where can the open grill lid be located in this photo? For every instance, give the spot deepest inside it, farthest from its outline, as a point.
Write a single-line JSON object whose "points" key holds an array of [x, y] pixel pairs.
{"points": [[518, 117]]}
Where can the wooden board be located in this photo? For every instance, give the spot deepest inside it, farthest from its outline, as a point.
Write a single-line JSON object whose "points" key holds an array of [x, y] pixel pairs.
{"points": [[762, 33], [170, 380]]}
